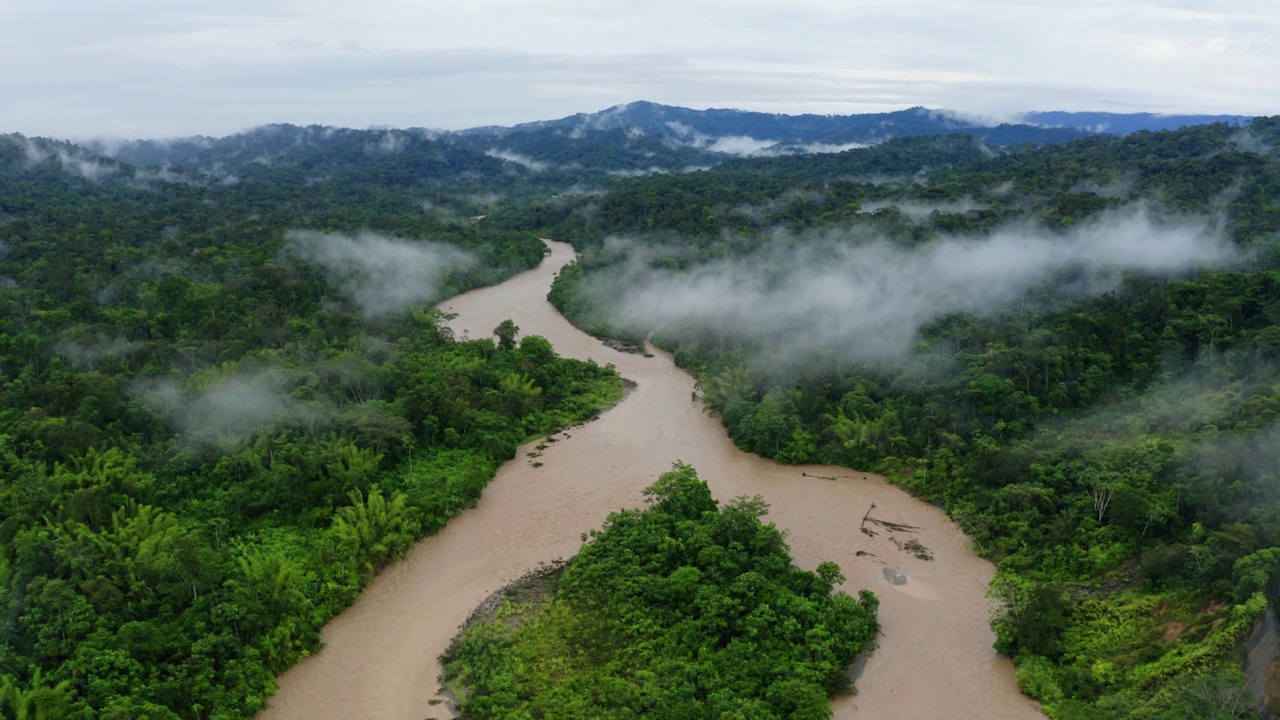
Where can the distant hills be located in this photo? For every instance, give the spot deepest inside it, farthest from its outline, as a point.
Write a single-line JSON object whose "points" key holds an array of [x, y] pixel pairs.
{"points": [[741, 132], [684, 123], [397, 156], [705, 127], [710, 136], [633, 139], [1124, 123]]}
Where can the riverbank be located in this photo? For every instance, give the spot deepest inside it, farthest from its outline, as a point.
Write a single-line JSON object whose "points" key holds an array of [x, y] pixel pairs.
{"points": [[934, 658]]}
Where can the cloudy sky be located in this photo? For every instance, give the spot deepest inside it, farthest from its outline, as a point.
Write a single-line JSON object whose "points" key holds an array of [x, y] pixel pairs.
{"points": [[151, 68]]}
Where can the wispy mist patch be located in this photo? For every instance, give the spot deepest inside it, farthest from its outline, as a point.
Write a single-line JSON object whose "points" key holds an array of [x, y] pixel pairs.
{"points": [[821, 147], [382, 275], [1183, 405], [638, 172], [167, 174], [1246, 140], [391, 143], [748, 146], [86, 354], [1253, 455], [920, 211], [1116, 188], [1204, 407], [488, 200], [88, 169], [866, 299], [581, 190], [759, 214], [515, 157], [743, 145], [72, 161], [230, 407]]}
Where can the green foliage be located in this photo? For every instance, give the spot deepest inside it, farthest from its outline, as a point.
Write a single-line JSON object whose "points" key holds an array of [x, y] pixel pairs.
{"points": [[1114, 456], [205, 450], [506, 332], [164, 551], [682, 609]]}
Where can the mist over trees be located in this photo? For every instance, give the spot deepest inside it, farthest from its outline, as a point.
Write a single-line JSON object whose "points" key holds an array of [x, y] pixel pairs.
{"points": [[1089, 388], [223, 406], [864, 297], [225, 400]]}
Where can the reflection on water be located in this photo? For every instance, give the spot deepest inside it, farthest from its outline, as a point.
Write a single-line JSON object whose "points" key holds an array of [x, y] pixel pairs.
{"points": [[934, 659]]}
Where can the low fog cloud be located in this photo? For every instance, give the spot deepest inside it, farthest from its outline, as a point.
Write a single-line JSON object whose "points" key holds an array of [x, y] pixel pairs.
{"points": [[232, 406], [1194, 405], [382, 275], [86, 355], [72, 162], [1247, 141], [514, 157], [920, 211], [747, 146], [742, 145], [822, 147], [223, 408], [1252, 455], [867, 300], [392, 143]]}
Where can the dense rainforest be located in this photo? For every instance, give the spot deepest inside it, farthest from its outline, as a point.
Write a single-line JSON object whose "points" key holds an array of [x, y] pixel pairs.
{"points": [[682, 609], [225, 400], [223, 407], [1109, 442]]}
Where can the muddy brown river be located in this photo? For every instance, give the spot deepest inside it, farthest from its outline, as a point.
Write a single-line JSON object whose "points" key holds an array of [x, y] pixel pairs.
{"points": [[934, 658]]}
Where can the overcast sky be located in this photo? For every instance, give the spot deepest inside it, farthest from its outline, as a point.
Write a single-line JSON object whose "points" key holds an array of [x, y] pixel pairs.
{"points": [[153, 68]]}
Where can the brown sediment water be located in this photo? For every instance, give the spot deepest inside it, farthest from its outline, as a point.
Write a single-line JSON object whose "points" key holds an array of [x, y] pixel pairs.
{"points": [[934, 658]]}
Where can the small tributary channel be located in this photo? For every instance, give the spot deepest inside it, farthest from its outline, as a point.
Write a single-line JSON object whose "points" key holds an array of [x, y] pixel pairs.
{"points": [[934, 658]]}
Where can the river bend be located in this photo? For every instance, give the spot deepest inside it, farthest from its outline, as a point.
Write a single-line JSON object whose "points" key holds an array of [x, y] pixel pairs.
{"points": [[934, 658]]}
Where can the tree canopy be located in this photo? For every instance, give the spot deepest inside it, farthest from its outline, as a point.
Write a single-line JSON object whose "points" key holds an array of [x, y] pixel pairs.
{"points": [[686, 608]]}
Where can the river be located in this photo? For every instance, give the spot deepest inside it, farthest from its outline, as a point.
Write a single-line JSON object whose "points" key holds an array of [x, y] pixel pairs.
{"points": [[934, 658]]}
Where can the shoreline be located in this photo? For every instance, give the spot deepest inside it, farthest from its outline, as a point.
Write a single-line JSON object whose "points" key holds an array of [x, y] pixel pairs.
{"points": [[381, 660]]}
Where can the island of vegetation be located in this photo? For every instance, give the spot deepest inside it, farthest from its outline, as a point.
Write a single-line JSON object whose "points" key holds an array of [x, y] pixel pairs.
{"points": [[683, 609]]}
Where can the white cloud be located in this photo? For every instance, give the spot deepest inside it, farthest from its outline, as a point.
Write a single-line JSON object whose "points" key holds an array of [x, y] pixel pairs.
{"points": [[382, 275], [741, 145], [70, 158], [517, 158], [867, 299], [146, 67]]}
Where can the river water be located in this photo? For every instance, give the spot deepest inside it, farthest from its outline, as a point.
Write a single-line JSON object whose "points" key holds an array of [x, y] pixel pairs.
{"points": [[934, 658]]}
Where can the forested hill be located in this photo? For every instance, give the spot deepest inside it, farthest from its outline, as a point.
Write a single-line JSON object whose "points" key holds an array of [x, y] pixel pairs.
{"points": [[637, 138], [673, 138], [223, 405], [320, 154], [537, 158], [922, 186], [1125, 123], [634, 139], [858, 127], [640, 138], [225, 400], [707, 126], [1072, 347]]}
